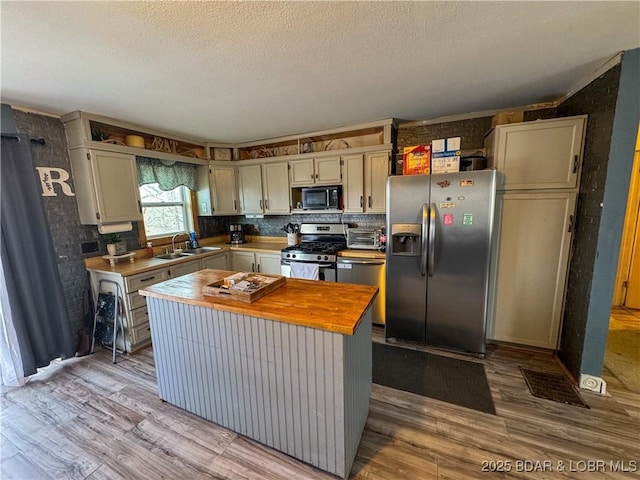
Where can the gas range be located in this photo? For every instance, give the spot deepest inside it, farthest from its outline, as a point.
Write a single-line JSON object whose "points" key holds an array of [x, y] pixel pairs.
{"points": [[313, 251], [320, 243]]}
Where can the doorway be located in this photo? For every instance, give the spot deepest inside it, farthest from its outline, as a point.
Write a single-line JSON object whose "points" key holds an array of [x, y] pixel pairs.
{"points": [[622, 356]]}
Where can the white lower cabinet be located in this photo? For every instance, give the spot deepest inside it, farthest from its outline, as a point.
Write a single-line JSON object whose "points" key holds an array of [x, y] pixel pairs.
{"points": [[183, 268], [268, 263], [530, 263], [135, 318], [256, 262], [218, 262]]}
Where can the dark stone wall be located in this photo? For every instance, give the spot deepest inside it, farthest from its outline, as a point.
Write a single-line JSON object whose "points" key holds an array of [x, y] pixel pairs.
{"points": [[472, 131], [61, 210], [598, 100]]}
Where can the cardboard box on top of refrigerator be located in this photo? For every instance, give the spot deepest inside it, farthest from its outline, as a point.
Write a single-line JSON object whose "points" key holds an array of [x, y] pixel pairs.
{"points": [[416, 160], [445, 155]]}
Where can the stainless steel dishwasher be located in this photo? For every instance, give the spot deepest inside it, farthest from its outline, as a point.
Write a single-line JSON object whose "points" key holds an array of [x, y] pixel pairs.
{"points": [[365, 271]]}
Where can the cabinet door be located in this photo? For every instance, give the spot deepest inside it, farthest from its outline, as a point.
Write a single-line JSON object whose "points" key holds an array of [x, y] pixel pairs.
{"points": [[116, 186], [327, 171], [223, 190], [376, 171], [217, 262], [180, 269], [250, 189], [302, 172], [531, 267], [275, 186], [538, 155], [243, 261], [353, 184], [268, 263]]}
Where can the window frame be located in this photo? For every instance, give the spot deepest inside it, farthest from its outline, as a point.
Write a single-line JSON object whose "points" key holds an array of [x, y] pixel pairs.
{"points": [[190, 205]]}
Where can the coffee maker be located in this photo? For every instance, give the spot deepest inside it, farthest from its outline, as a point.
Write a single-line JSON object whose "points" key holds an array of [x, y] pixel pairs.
{"points": [[236, 236]]}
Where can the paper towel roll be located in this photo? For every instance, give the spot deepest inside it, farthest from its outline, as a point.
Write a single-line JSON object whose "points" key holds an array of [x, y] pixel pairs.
{"points": [[115, 227]]}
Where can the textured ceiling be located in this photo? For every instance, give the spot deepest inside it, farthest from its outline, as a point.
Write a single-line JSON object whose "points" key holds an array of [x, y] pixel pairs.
{"points": [[243, 71]]}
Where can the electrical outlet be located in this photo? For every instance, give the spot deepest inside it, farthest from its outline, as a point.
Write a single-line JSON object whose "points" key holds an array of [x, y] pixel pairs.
{"points": [[594, 384], [256, 229], [89, 247]]}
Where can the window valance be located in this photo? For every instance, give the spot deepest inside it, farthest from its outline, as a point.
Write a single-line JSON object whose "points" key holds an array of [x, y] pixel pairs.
{"points": [[167, 175]]}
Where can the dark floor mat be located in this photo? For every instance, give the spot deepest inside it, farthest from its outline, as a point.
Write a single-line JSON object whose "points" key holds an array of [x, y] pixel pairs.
{"points": [[442, 378], [552, 386]]}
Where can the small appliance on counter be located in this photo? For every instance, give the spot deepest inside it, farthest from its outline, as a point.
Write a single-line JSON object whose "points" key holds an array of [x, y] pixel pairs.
{"points": [[236, 235], [364, 238]]}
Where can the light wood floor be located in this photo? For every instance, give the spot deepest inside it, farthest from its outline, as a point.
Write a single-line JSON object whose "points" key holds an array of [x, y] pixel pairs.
{"points": [[89, 419]]}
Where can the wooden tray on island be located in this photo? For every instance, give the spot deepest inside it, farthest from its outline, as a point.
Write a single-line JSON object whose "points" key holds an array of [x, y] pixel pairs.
{"points": [[250, 289]]}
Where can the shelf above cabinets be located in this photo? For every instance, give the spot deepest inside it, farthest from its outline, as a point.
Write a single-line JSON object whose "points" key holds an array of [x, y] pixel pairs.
{"points": [[95, 131], [356, 137]]}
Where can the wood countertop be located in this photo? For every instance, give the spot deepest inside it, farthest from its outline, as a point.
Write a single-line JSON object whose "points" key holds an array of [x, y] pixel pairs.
{"points": [[142, 264], [336, 307], [353, 253]]}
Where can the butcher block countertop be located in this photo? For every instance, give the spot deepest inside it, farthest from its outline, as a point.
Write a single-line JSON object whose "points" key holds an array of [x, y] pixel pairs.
{"points": [[352, 253], [142, 264], [336, 307]]}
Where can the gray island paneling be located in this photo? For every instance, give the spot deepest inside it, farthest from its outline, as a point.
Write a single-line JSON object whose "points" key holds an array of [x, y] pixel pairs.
{"points": [[301, 390]]}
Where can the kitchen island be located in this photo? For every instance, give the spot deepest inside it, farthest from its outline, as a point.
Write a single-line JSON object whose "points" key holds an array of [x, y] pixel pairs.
{"points": [[291, 370]]}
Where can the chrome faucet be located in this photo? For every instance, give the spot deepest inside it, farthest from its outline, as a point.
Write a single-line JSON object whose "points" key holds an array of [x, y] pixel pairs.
{"points": [[173, 240]]}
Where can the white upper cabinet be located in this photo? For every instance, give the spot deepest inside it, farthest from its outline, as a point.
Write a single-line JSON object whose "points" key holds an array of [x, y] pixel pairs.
{"points": [[275, 187], [316, 171], [224, 194], [538, 155], [250, 189], [302, 172], [353, 186], [106, 185], [376, 171], [364, 182], [264, 188], [217, 192]]}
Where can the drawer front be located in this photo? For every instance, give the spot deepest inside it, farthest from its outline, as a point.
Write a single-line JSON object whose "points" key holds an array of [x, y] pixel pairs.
{"points": [[140, 333], [138, 317], [142, 280], [136, 300]]}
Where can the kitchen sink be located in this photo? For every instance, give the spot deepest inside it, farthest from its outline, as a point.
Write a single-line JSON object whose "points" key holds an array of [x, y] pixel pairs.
{"points": [[172, 256], [200, 250]]}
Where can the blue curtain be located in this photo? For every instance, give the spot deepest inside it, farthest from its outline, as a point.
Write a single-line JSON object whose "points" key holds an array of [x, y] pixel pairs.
{"points": [[33, 284], [166, 174]]}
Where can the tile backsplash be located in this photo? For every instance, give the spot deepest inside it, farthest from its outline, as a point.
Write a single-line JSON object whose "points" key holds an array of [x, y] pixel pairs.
{"points": [[272, 225]]}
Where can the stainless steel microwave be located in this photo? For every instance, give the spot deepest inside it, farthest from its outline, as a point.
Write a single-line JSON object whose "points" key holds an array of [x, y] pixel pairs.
{"points": [[321, 198]]}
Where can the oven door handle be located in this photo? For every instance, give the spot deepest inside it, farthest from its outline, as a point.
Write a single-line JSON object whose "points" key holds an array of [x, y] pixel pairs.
{"points": [[321, 265]]}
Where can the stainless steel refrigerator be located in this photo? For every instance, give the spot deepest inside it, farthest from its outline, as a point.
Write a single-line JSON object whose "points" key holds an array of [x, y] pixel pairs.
{"points": [[439, 234]]}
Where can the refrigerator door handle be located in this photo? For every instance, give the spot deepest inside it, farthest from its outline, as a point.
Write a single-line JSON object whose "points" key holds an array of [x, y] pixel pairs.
{"points": [[432, 241], [425, 240]]}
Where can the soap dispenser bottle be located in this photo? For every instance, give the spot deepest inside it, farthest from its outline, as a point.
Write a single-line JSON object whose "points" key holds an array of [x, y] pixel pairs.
{"points": [[194, 240]]}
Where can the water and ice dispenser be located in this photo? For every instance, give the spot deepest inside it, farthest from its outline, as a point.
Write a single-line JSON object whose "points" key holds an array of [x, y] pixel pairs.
{"points": [[405, 239]]}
